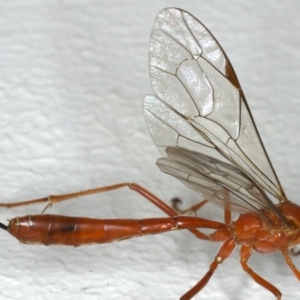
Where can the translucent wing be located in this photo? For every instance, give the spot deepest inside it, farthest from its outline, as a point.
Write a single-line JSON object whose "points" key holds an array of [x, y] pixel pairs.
{"points": [[199, 105], [215, 180]]}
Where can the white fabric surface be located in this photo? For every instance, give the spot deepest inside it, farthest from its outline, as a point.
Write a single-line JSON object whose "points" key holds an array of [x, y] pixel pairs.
{"points": [[72, 78]]}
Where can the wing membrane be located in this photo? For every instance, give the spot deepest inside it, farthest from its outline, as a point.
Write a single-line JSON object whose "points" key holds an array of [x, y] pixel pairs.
{"points": [[198, 103], [214, 179]]}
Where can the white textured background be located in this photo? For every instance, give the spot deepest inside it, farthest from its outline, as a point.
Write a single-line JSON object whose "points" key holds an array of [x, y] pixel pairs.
{"points": [[72, 78]]}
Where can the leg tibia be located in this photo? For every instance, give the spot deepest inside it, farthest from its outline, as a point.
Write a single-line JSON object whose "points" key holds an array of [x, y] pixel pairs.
{"points": [[245, 254], [223, 253]]}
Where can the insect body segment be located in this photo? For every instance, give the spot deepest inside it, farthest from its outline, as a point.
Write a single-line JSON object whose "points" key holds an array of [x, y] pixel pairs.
{"points": [[264, 238], [78, 231]]}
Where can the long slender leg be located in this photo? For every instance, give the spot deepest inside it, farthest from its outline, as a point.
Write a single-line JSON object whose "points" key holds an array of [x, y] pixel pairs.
{"points": [[193, 209], [225, 251], [245, 254], [59, 198], [290, 263], [50, 200]]}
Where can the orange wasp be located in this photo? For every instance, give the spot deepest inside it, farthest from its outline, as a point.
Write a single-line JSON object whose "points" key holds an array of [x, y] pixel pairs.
{"points": [[197, 117]]}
